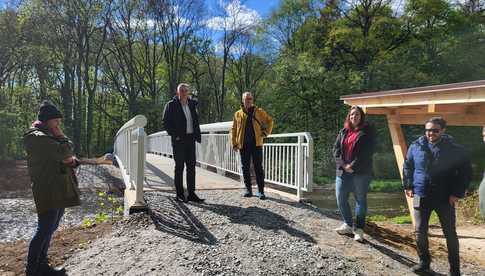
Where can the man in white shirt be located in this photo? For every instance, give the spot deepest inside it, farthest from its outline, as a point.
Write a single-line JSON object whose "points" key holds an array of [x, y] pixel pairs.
{"points": [[181, 122]]}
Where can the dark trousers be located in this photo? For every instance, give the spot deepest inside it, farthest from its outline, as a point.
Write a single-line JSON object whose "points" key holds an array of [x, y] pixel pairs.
{"points": [[446, 215], [39, 245], [184, 154], [255, 153]]}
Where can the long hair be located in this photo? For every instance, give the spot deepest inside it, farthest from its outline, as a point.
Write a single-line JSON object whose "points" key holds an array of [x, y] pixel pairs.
{"points": [[348, 124]]}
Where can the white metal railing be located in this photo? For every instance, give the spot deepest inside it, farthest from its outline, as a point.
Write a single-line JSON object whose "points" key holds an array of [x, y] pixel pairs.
{"points": [[129, 151], [288, 163]]}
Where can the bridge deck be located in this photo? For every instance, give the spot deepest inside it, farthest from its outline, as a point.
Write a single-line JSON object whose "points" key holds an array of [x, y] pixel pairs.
{"points": [[159, 175]]}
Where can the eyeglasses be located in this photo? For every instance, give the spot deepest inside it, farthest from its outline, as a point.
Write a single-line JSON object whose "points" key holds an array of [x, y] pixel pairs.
{"points": [[433, 130]]}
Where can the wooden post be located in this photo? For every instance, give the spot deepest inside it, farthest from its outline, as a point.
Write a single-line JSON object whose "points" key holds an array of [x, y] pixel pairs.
{"points": [[400, 149]]}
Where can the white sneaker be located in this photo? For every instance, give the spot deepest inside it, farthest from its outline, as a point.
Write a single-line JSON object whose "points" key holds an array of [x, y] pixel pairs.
{"points": [[344, 229], [358, 235]]}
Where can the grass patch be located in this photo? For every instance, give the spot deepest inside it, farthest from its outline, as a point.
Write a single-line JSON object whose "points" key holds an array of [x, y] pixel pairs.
{"points": [[377, 185], [385, 185], [377, 218], [402, 219], [323, 180]]}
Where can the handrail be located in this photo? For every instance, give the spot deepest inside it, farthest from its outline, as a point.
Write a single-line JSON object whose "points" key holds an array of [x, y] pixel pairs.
{"points": [[288, 164], [129, 151]]}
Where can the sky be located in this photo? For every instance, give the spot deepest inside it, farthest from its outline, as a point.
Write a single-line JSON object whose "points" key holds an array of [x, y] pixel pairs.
{"points": [[263, 7]]}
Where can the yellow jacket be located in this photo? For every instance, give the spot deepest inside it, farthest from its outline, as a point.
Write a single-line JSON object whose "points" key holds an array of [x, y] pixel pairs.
{"points": [[239, 125]]}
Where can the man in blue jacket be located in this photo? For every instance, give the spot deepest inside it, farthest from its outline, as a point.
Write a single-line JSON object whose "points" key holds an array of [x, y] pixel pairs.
{"points": [[437, 172]]}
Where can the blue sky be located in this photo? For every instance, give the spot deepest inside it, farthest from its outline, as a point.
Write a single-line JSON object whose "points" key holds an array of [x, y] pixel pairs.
{"points": [[263, 7]]}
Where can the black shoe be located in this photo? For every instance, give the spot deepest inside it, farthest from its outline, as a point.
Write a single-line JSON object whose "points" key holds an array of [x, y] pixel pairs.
{"points": [[421, 268], [181, 198], [195, 198], [46, 269], [248, 194], [261, 195]]}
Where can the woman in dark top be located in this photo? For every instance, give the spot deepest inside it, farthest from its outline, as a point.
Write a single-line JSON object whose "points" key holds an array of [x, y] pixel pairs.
{"points": [[353, 152]]}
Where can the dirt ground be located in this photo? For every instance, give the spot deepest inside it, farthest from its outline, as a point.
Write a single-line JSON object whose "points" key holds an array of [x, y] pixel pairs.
{"points": [[64, 243], [14, 177], [471, 237]]}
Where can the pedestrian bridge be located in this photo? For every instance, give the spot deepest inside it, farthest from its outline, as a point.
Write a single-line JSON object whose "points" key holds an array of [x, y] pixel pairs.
{"points": [[146, 161]]}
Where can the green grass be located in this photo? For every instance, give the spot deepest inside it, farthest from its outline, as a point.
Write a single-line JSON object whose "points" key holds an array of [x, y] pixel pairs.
{"points": [[377, 185], [402, 219], [385, 185], [323, 180]]}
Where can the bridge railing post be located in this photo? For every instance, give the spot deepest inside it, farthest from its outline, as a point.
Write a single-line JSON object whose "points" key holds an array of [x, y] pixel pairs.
{"points": [[300, 168], [130, 153]]}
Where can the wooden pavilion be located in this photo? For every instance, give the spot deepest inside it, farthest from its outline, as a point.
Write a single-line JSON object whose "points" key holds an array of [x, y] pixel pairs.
{"points": [[460, 104]]}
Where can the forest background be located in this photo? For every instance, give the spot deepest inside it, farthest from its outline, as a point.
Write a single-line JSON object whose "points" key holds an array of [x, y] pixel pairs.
{"points": [[104, 61]]}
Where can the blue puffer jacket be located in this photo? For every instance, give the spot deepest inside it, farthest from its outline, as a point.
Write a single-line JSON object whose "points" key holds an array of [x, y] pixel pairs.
{"points": [[437, 176]]}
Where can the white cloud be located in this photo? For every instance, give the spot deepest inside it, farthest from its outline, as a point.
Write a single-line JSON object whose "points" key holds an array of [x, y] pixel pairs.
{"points": [[235, 16]]}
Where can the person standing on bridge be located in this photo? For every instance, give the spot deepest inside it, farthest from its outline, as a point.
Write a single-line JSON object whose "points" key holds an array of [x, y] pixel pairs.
{"points": [[353, 151], [50, 162], [181, 121], [249, 126], [436, 173]]}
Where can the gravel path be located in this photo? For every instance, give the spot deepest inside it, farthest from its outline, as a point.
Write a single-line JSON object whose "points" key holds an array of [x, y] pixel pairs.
{"points": [[18, 217], [230, 235]]}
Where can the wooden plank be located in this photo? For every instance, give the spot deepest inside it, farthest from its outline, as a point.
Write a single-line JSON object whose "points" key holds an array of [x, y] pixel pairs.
{"points": [[441, 97], [451, 119], [430, 109], [400, 149]]}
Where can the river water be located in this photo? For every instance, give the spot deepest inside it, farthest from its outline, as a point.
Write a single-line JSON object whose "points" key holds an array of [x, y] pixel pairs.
{"points": [[387, 204]]}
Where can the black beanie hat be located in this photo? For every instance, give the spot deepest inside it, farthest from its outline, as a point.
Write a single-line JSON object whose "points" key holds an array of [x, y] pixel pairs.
{"points": [[48, 111]]}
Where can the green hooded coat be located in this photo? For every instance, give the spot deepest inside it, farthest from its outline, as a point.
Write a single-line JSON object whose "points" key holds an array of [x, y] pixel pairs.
{"points": [[54, 183]]}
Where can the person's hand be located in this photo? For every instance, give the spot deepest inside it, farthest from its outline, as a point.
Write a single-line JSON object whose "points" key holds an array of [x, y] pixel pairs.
{"points": [[57, 132], [409, 192], [71, 161], [177, 138], [348, 168], [453, 200]]}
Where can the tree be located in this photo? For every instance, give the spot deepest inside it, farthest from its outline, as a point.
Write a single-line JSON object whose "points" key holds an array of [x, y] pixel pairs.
{"points": [[232, 25]]}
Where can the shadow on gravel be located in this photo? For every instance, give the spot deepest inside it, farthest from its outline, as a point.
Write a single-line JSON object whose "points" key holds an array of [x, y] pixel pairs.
{"points": [[257, 217], [307, 206], [166, 180], [391, 239], [392, 254], [87, 175], [176, 219]]}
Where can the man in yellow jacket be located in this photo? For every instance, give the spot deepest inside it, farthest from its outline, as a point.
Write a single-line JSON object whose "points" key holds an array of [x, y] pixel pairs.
{"points": [[250, 125]]}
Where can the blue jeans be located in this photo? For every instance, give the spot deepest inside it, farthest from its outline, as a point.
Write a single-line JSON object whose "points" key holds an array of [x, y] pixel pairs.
{"points": [[39, 245], [358, 184]]}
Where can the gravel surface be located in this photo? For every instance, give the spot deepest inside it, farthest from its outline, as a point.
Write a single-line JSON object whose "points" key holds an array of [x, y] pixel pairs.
{"points": [[18, 217], [230, 235], [226, 235]]}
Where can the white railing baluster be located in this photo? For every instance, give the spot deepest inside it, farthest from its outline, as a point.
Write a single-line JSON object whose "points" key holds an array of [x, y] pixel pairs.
{"points": [[288, 164]]}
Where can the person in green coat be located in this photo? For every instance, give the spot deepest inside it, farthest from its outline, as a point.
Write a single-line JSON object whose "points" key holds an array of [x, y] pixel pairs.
{"points": [[50, 162], [481, 190]]}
